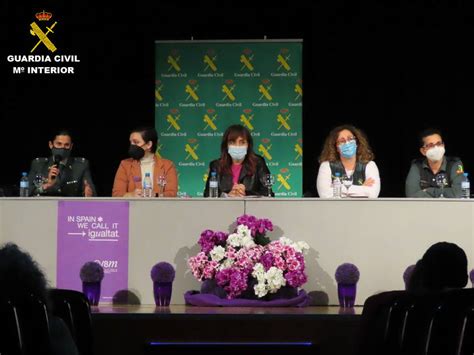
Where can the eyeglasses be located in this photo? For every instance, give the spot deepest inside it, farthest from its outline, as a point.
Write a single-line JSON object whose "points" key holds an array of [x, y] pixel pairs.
{"points": [[344, 141], [432, 145]]}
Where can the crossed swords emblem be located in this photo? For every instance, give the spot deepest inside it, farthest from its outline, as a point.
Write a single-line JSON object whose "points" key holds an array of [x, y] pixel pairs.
{"points": [[43, 37], [284, 121], [191, 151], [283, 62], [283, 181], [247, 62], [210, 121], [210, 63], [228, 91]]}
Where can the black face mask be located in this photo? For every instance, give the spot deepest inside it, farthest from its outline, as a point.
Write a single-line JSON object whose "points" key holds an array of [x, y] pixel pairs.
{"points": [[62, 152], [136, 152]]}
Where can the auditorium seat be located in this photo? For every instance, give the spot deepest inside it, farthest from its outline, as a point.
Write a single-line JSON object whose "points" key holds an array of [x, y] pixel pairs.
{"points": [[24, 327], [11, 341], [438, 323], [73, 307]]}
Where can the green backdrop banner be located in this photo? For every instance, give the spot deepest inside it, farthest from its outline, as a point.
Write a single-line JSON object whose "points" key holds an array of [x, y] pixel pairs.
{"points": [[204, 87]]}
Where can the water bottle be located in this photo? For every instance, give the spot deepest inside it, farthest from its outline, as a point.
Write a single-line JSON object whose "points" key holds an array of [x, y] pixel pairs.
{"points": [[24, 185], [336, 186], [213, 185], [465, 187], [147, 186]]}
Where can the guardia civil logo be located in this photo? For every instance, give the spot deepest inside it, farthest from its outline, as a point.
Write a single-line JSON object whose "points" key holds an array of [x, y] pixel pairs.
{"points": [[40, 33], [191, 148], [283, 58], [264, 148], [172, 118], [283, 118], [173, 61], [40, 42], [246, 58], [209, 119], [246, 117]]}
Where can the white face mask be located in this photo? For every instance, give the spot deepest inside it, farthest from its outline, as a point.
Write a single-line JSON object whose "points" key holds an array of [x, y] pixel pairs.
{"points": [[435, 153]]}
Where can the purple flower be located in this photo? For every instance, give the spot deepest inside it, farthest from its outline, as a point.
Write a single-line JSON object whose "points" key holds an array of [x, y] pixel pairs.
{"points": [[256, 226], [209, 239], [233, 280], [296, 278], [471, 276], [162, 272], [91, 271], [407, 273], [267, 261], [347, 274]]}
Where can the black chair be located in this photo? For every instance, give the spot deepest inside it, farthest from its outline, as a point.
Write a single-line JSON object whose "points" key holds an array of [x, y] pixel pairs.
{"points": [[24, 327], [11, 341], [466, 337], [435, 323], [74, 309]]}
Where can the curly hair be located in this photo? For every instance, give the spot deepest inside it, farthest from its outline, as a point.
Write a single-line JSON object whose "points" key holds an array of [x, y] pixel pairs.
{"points": [[20, 275], [330, 153]]}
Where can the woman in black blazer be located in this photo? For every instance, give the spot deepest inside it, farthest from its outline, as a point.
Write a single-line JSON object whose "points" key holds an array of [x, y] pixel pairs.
{"points": [[240, 172]]}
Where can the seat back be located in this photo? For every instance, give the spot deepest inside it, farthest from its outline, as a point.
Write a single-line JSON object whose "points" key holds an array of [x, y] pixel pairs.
{"points": [[73, 307]]}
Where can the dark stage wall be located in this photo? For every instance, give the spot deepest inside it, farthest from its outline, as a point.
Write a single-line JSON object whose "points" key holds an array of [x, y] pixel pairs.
{"points": [[389, 69]]}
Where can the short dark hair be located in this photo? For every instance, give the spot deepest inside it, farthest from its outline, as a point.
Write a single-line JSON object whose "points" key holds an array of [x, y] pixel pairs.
{"points": [[61, 132], [20, 275], [148, 134], [428, 132], [444, 265]]}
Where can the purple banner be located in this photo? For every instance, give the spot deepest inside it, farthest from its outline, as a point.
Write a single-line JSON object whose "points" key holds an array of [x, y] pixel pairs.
{"points": [[93, 231]]}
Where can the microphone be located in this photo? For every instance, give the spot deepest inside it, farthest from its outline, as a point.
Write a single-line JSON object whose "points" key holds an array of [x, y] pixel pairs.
{"points": [[57, 160]]}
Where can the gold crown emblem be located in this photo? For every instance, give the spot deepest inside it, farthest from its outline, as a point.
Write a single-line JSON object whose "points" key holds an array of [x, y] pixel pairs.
{"points": [[44, 16]]}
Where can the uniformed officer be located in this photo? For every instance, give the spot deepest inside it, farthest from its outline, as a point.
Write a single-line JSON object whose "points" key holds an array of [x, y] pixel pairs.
{"points": [[435, 174], [61, 174]]}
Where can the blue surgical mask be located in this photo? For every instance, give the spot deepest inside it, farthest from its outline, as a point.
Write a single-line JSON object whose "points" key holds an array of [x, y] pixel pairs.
{"points": [[237, 152], [349, 149]]}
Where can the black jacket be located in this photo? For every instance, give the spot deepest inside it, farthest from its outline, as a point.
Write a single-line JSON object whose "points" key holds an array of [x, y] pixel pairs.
{"points": [[253, 183], [70, 181]]}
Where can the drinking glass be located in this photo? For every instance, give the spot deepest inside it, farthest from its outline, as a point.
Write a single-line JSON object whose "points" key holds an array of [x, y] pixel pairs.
{"points": [[269, 181]]}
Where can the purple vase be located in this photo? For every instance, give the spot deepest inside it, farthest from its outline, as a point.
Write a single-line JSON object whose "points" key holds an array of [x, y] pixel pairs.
{"points": [[92, 292], [162, 293], [346, 294]]}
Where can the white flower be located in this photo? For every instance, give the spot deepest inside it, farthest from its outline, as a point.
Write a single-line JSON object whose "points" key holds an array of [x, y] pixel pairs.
{"points": [[275, 279], [234, 240], [260, 289], [259, 272], [243, 231], [247, 242], [217, 253], [301, 247], [286, 241]]}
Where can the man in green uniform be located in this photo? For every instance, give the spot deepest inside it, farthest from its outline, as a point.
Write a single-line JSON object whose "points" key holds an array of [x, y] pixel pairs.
{"points": [[61, 174], [435, 173]]}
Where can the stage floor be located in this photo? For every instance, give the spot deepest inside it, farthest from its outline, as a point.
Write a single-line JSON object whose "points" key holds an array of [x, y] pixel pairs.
{"points": [[146, 329], [238, 311]]}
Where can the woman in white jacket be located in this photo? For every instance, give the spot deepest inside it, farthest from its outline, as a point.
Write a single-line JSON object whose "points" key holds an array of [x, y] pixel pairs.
{"points": [[347, 151]]}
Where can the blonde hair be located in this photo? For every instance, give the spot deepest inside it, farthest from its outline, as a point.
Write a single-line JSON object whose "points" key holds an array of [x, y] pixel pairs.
{"points": [[330, 153]]}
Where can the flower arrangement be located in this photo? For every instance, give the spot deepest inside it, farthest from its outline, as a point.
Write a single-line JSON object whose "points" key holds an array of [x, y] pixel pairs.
{"points": [[246, 263], [347, 274], [162, 272], [91, 272]]}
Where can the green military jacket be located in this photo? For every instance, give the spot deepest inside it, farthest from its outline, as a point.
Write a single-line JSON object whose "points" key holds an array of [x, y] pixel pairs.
{"points": [[70, 181]]}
